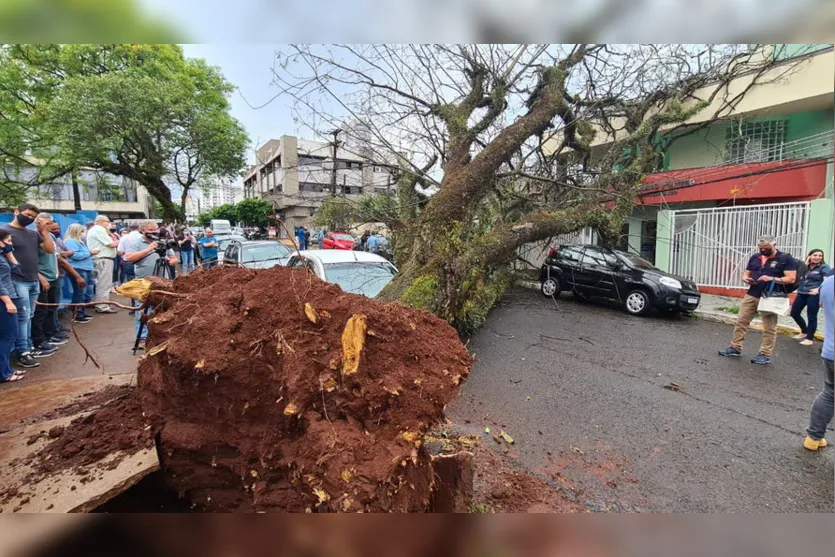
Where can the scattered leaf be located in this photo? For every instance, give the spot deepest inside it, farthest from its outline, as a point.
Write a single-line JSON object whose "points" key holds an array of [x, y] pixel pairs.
{"points": [[200, 365], [527, 399], [311, 313], [290, 409], [507, 438], [486, 430]]}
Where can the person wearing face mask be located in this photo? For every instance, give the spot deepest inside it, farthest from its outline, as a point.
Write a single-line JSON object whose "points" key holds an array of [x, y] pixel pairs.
{"points": [[103, 247], [27, 243], [768, 266], [808, 296], [8, 310]]}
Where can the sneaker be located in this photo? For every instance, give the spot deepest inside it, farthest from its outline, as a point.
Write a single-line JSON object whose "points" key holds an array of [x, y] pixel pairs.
{"points": [[761, 359], [82, 319], [38, 353], [814, 444], [106, 310], [62, 334], [47, 347], [730, 352], [26, 360], [58, 341]]}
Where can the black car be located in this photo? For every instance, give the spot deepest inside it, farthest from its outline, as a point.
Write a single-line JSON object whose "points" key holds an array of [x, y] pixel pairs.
{"points": [[594, 271]]}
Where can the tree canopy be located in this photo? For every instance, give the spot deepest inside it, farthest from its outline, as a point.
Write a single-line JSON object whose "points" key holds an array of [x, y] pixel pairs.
{"points": [[144, 112], [252, 212]]}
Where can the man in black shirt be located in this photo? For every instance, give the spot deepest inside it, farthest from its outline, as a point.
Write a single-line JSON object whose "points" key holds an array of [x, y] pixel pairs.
{"points": [[766, 266]]}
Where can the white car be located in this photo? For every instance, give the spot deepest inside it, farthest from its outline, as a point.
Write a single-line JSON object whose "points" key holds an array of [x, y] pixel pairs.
{"points": [[358, 272]]}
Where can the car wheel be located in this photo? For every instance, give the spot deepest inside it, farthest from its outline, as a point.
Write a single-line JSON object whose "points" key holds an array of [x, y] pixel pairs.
{"points": [[637, 302], [550, 287]]}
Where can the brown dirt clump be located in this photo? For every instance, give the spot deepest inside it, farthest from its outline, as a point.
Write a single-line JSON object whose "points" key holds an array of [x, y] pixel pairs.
{"points": [[115, 429], [271, 390]]}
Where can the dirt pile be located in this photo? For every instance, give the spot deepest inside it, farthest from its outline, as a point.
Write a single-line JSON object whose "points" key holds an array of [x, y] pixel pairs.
{"points": [[271, 390]]}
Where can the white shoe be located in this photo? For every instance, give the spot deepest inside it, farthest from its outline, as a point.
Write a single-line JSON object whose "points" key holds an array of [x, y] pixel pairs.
{"points": [[801, 336]]}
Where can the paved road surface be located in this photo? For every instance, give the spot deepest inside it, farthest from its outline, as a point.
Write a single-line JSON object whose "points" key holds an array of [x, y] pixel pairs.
{"points": [[728, 441]]}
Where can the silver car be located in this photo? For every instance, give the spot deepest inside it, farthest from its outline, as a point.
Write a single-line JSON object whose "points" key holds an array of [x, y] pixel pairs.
{"points": [[257, 254]]}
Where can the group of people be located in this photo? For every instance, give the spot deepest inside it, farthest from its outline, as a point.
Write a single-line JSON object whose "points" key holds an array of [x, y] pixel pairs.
{"points": [[768, 272], [35, 261]]}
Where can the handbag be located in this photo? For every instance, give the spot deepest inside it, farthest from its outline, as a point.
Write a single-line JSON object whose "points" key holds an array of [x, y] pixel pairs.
{"points": [[774, 302]]}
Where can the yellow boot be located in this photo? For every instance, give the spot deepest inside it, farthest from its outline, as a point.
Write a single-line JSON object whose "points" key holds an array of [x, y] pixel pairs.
{"points": [[814, 444]]}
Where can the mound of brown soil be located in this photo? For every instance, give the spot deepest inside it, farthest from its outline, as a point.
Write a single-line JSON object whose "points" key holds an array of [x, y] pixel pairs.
{"points": [[271, 390]]}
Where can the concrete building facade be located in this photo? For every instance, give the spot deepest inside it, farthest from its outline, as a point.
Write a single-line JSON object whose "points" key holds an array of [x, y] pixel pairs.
{"points": [[297, 175]]}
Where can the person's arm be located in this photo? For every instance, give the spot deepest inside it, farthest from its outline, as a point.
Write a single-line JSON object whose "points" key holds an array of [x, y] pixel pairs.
{"points": [[134, 256], [46, 242], [10, 307], [44, 283], [172, 258], [79, 280]]}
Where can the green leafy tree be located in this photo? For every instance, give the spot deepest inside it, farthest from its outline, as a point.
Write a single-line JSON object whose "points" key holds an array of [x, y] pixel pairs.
{"points": [[144, 112], [253, 212]]}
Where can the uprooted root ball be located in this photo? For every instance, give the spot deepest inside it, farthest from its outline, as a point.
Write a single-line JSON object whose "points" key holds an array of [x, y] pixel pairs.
{"points": [[271, 390]]}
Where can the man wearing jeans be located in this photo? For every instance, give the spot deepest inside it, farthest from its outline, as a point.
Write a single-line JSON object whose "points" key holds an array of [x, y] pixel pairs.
{"points": [[103, 248], [824, 406], [767, 266], [25, 277]]}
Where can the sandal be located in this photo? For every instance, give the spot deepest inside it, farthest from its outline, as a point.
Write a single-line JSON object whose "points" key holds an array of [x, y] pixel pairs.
{"points": [[801, 336], [806, 342], [17, 376]]}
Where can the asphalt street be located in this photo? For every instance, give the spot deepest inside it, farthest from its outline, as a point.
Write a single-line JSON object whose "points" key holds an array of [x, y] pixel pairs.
{"points": [[640, 413]]}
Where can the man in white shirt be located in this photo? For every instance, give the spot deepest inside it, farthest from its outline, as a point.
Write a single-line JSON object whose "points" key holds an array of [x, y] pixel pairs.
{"points": [[103, 248]]}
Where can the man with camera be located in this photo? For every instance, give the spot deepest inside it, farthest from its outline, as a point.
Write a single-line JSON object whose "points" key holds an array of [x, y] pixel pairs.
{"points": [[145, 252]]}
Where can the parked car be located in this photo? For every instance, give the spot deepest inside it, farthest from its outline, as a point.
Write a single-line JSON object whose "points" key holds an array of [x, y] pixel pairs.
{"points": [[338, 240], [594, 271], [358, 272], [260, 254]]}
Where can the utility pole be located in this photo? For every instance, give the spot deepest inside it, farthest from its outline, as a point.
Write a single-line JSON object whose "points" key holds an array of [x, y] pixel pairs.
{"points": [[334, 145]]}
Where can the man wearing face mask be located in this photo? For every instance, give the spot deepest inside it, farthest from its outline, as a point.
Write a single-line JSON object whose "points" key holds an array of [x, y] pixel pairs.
{"points": [[766, 267], [25, 277]]}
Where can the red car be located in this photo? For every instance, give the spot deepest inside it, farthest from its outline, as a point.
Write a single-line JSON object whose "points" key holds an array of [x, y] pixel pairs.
{"points": [[338, 240]]}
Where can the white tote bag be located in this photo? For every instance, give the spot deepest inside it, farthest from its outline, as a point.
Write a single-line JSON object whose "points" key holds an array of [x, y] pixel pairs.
{"points": [[774, 302]]}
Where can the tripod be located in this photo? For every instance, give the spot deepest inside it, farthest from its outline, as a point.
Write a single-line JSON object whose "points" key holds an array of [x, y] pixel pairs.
{"points": [[161, 269]]}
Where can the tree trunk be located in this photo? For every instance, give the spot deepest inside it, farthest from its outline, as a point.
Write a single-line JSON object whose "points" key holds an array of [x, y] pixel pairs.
{"points": [[76, 191], [162, 194]]}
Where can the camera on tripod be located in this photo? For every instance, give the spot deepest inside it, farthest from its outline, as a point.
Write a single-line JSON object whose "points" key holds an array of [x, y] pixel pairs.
{"points": [[163, 245]]}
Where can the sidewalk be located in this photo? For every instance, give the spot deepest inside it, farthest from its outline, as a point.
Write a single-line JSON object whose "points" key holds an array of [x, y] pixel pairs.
{"points": [[709, 309]]}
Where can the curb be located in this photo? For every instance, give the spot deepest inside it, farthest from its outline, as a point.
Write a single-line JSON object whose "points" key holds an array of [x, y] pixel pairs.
{"points": [[756, 324], [711, 315]]}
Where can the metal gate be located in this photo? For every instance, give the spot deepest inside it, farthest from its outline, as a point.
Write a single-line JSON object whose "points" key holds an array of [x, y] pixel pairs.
{"points": [[712, 246], [533, 255]]}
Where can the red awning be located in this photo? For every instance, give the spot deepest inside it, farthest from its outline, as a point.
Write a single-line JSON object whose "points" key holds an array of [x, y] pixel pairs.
{"points": [[797, 179]]}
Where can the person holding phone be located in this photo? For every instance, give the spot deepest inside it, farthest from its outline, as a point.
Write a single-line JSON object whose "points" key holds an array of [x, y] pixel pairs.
{"points": [[808, 296]]}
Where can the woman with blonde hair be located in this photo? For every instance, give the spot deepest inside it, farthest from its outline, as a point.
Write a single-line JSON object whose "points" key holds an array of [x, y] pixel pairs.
{"points": [[82, 261]]}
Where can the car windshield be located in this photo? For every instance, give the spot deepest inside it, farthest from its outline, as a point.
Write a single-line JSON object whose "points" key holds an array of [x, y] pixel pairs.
{"points": [[364, 278], [223, 242], [265, 252], [345, 237], [636, 261]]}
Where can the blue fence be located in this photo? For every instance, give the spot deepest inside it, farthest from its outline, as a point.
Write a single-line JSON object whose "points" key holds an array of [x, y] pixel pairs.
{"points": [[64, 221]]}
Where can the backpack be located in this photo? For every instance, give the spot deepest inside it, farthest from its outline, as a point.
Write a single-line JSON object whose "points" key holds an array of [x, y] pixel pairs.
{"points": [[801, 272]]}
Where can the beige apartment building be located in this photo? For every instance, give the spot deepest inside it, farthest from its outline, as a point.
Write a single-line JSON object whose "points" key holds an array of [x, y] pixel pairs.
{"points": [[296, 176]]}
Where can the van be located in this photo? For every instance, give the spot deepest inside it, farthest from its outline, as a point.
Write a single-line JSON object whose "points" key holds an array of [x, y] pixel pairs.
{"points": [[220, 226]]}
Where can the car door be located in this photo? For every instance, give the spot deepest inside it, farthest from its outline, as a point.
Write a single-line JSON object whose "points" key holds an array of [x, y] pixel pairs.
{"points": [[567, 259], [230, 256], [598, 272]]}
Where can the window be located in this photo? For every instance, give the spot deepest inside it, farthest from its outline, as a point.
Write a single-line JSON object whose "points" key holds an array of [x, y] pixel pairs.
{"points": [[306, 161], [367, 279], [265, 252], [596, 257], [755, 141], [570, 253]]}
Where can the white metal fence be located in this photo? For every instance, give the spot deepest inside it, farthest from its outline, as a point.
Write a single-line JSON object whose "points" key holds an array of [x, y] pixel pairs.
{"points": [[533, 255], [712, 246]]}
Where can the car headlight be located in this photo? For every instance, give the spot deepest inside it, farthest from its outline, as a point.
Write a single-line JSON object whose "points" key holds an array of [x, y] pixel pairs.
{"points": [[671, 282]]}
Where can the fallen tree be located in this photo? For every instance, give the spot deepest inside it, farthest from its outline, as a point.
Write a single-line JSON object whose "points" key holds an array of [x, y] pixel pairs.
{"points": [[270, 390], [517, 143]]}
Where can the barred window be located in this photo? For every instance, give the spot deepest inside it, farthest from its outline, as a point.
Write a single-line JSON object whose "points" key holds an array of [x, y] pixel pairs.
{"points": [[755, 141]]}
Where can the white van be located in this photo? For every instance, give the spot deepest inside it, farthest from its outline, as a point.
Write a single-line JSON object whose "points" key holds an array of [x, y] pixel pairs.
{"points": [[220, 226]]}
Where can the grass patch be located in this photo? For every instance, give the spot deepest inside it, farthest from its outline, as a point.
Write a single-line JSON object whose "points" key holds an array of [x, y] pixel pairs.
{"points": [[729, 309]]}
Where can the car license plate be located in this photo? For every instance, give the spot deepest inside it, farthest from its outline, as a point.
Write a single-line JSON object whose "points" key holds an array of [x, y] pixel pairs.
{"points": [[692, 300]]}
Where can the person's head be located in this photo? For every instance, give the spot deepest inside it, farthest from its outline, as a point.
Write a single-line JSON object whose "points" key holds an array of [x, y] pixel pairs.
{"points": [[44, 219], [208, 232], [124, 232], [75, 232], [767, 245], [815, 257], [55, 228], [6, 245], [26, 213], [149, 228], [134, 227], [103, 220], [90, 225]]}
